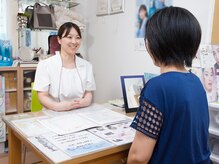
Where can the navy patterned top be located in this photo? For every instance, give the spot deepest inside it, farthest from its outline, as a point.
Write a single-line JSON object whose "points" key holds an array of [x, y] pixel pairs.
{"points": [[174, 111]]}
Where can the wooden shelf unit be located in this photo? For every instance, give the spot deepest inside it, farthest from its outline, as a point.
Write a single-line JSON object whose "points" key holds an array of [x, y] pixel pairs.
{"points": [[15, 86]]}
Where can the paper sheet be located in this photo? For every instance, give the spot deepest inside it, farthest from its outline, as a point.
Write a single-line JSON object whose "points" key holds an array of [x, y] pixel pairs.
{"points": [[91, 108], [75, 144], [30, 126], [67, 123], [49, 149], [104, 117], [81, 119], [118, 134]]}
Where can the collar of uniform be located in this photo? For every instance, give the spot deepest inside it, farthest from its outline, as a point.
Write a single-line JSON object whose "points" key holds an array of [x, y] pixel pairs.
{"points": [[78, 60]]}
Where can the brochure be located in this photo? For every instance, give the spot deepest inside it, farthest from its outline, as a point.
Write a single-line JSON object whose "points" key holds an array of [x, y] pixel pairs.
{"points": [[75, 144], [118, 134]]}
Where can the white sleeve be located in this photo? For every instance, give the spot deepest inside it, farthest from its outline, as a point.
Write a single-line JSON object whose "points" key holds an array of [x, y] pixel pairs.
{"points": [[42, 80], [90, 82]]}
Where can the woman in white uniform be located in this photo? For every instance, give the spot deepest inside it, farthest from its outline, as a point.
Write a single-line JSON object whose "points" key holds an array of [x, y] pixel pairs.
{"points": [[65, 81]]}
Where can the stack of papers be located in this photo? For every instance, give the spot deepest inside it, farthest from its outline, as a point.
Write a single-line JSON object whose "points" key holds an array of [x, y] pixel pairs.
{"points": [[77, 132], [75, 122]]}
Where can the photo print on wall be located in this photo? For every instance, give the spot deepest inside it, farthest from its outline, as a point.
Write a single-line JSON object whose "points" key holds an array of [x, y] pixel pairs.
{"points": [[144, 10]]}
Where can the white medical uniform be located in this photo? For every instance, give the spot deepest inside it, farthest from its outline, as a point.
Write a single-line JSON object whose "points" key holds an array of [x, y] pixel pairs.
{"points": [[62, 83]]}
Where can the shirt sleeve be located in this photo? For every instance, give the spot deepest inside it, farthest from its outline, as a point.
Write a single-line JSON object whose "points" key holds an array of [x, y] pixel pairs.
{"points": [[149, 119], [90, 82], [42, 80]]}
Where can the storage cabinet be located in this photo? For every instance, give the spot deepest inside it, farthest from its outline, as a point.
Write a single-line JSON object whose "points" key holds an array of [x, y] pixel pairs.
{"points": [[17, 93], [214, 132], [27, 77], [17, 88], [11, 89]]}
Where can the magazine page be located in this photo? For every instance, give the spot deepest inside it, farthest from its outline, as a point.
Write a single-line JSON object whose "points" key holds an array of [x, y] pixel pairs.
{"points": [[118, 134], [210, 84], [206, 56], [197, 72], [215, 50]]}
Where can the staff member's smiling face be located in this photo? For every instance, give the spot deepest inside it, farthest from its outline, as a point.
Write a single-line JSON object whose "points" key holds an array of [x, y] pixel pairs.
{"points": [[70, 43]]}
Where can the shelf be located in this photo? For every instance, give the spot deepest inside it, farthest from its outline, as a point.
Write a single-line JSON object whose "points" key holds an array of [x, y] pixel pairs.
{"points": [[214, 158], [27, 89], [214, 105], [28, 68], [67, 4], [11, 90], [11, 111], [214, 131], [2, 155], [8, 69], [27, 110]]}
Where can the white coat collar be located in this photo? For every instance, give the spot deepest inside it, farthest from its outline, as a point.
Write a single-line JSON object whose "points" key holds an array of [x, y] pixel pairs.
{"points": [[79, 61]]}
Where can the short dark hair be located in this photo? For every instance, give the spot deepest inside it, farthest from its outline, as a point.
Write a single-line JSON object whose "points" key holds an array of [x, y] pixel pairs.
{"points": [[66, 28], [173, 35]]}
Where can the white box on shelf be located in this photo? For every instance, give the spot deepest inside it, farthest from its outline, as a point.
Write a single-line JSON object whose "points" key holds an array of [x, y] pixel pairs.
{"points": [[214, 118]]}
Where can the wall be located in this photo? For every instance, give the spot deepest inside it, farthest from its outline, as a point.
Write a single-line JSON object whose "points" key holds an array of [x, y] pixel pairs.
{"points": [[110, 44]]}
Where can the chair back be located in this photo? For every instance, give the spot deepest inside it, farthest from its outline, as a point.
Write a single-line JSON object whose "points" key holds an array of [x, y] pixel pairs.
{"points": [[35, 104], [53, 44]]}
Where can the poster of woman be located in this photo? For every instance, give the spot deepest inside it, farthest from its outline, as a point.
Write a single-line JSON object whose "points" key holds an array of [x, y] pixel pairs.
{"points": [[209, 83], [144, 10]]}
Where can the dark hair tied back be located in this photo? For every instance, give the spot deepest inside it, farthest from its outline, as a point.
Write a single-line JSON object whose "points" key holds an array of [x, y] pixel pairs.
{"points": [[66, 28]]}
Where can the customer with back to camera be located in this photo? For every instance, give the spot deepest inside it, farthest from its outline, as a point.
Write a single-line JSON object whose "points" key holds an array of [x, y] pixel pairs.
{"points": [[65, 81], [172, 120]]}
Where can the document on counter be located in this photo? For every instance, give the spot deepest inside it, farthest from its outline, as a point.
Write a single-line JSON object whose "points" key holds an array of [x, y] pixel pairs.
{"points": [[93, 107], [118, 134], [30, 126], [104, 117], [65, 124], [82, 119], [49, 149], [76, 144]]}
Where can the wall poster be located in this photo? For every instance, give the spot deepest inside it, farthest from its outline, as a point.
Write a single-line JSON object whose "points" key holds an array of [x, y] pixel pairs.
{"points": [[144, 10]]}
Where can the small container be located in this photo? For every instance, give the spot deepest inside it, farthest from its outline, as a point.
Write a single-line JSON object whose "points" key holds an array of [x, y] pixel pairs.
{"points": [[5, 53], [27, 101]]}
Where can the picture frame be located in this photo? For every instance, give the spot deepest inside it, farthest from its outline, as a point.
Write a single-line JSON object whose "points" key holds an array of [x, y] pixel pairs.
{"points": [[102, 7], [116, 6], [131, 89]]}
